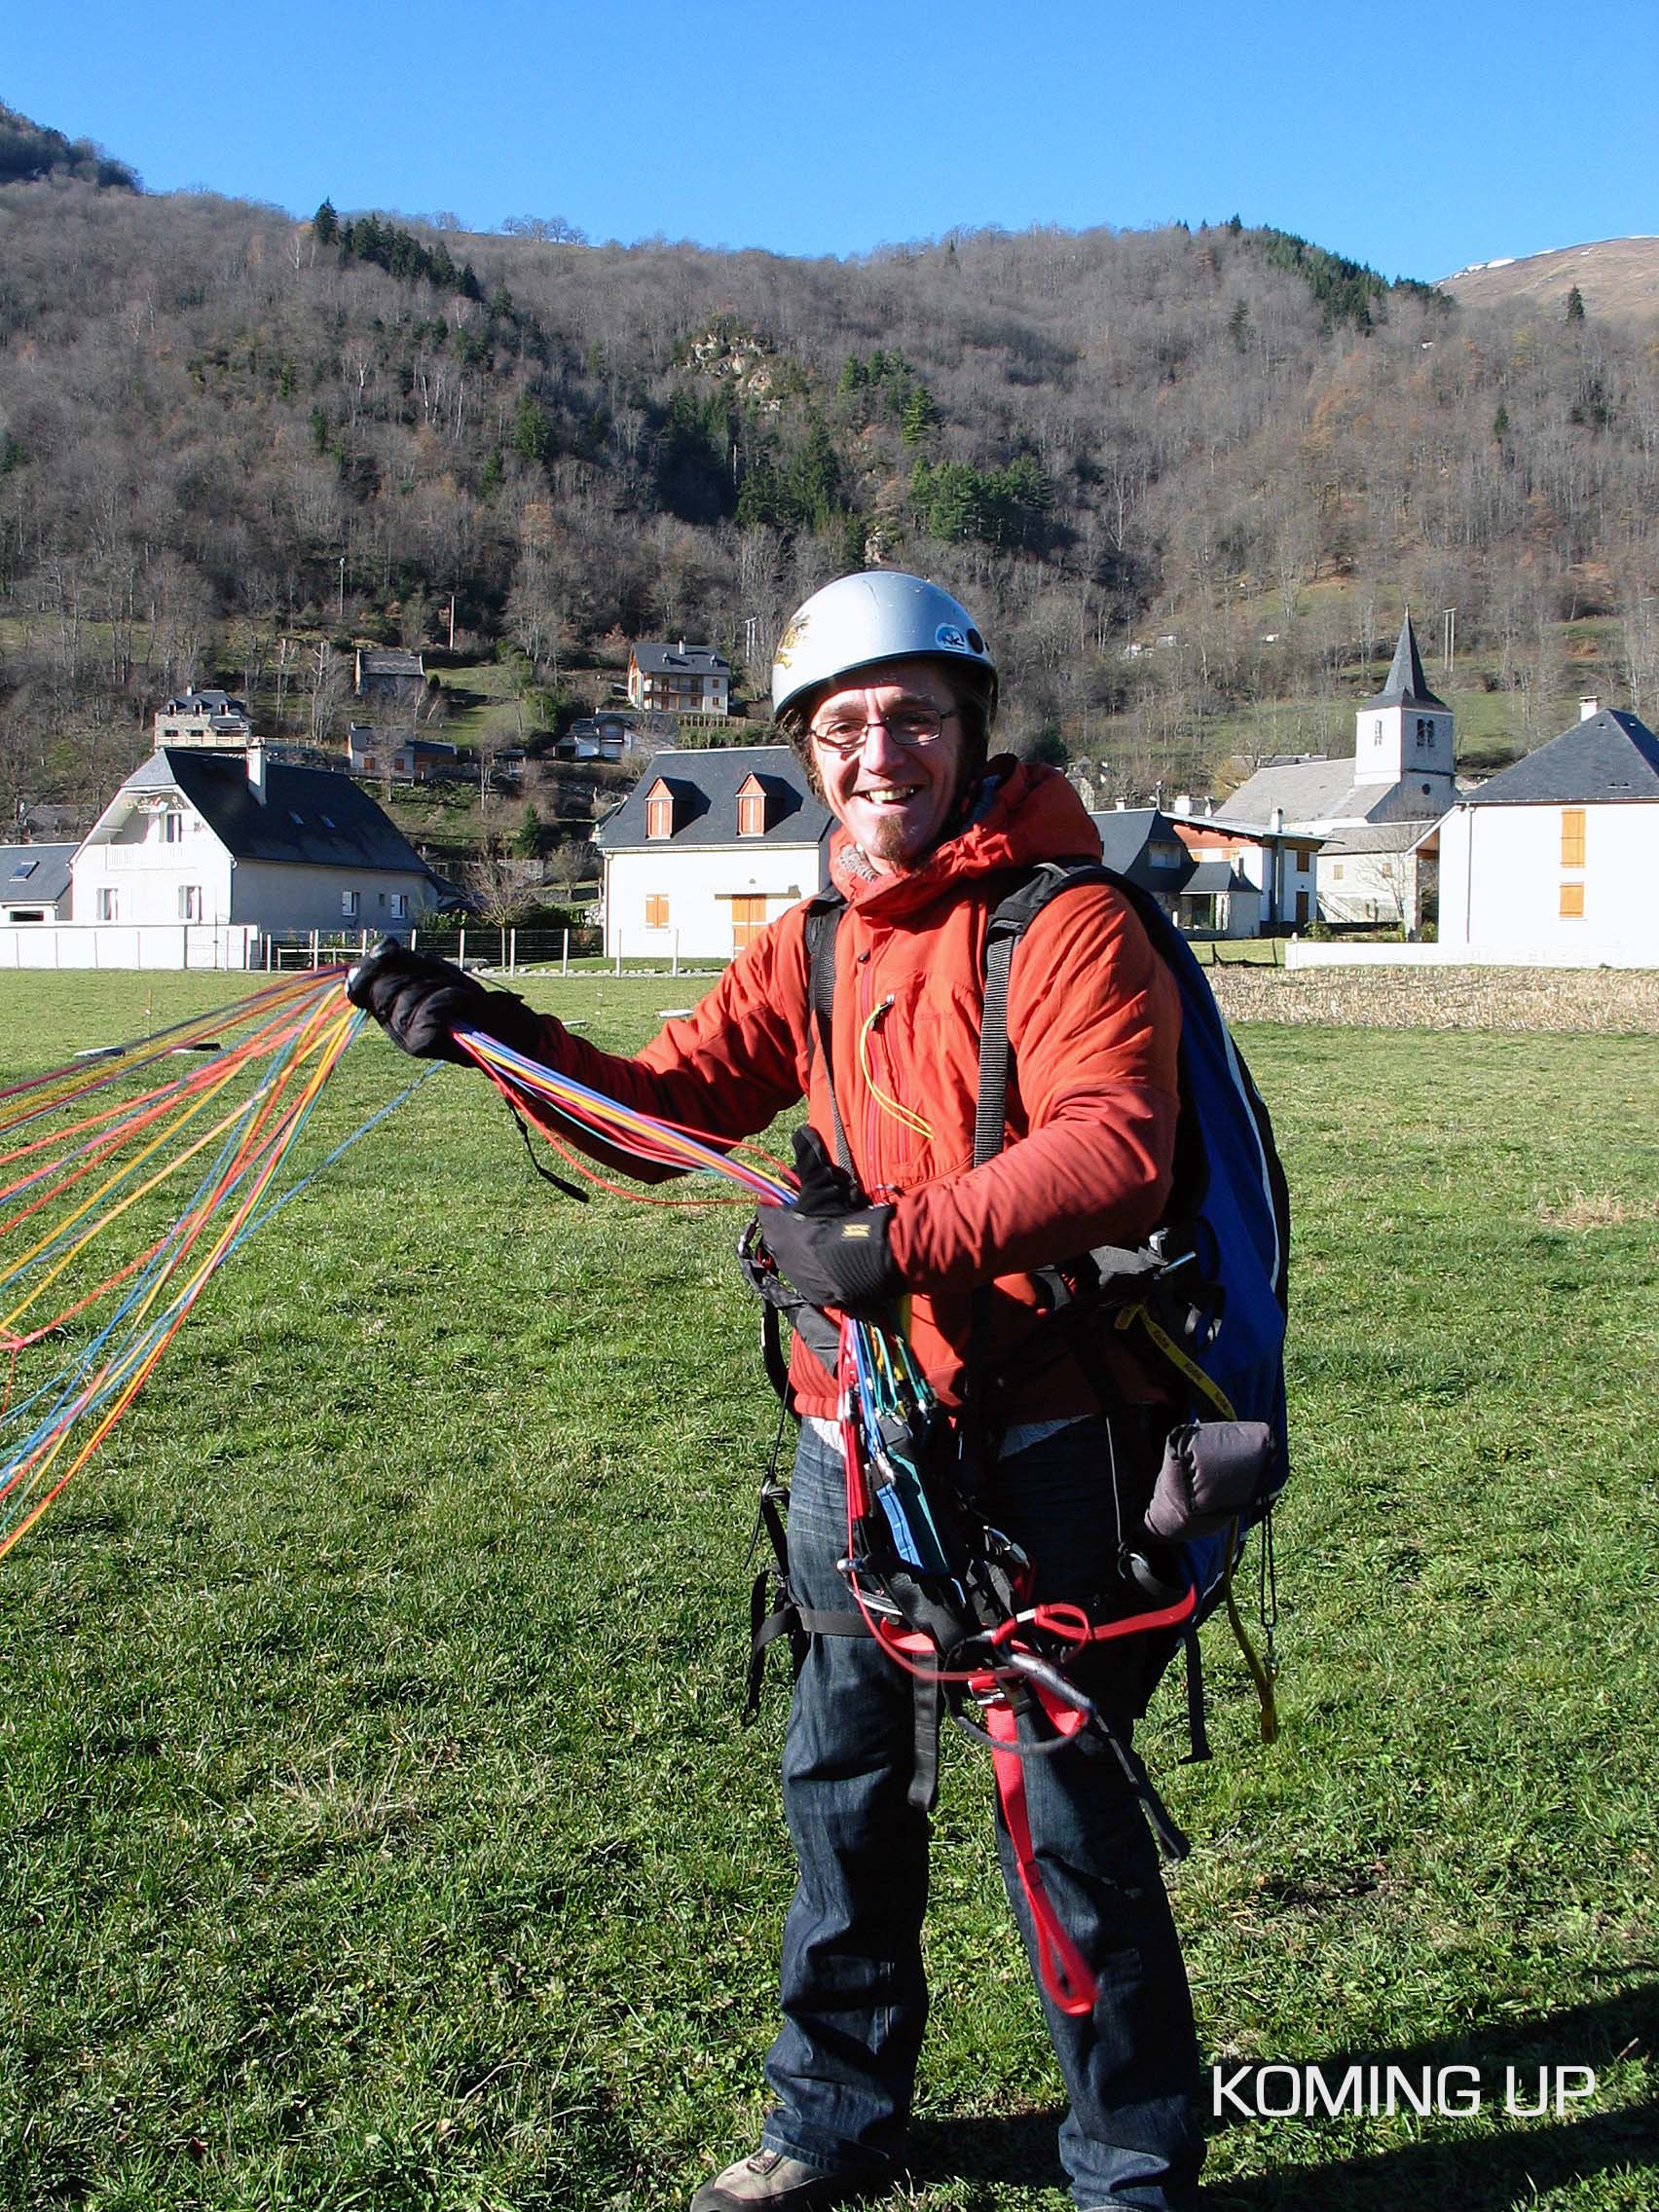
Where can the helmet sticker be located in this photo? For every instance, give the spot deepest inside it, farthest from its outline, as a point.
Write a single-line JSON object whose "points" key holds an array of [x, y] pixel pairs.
{"points": [[789, 642], [950, 637]]}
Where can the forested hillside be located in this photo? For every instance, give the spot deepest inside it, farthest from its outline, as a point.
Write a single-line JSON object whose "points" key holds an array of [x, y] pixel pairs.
{"points": [[226, 435]]}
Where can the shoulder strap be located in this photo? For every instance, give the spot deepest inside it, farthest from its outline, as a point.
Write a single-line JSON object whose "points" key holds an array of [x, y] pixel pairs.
{"points": [[823, 923], [1010, 921]]}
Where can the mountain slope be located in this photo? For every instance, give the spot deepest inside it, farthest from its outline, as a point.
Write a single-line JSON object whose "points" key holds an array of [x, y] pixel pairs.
{"points": [[1615, 278]]}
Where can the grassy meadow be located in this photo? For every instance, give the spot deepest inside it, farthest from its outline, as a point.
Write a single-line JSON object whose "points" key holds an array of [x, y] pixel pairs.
{"points": [[376, 1827]]}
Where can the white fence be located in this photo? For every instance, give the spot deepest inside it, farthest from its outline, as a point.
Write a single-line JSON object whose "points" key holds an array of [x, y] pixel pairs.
{"points": [[128, 945]]}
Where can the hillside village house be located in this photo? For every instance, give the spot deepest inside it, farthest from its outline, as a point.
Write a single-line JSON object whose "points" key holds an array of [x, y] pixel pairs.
{"points": [[222, 840], [35, 883], [678, 680], [707, 849], [1370, 813], [397, 753], [389, 674], [1553, 860], [212, 718], [1246, 882]]}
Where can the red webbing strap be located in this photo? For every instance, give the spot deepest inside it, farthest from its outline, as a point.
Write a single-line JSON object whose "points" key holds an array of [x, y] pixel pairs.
{"points": [[1064, 1970]]}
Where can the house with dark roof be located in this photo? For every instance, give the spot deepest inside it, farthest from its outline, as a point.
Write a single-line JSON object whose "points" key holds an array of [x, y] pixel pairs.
{"points": [[679, 678], [1370, 813], [34, 883], [707, 849], [210, 718], [397, 755], [388, 673], [1143, 845], [1553, 860], [1245, 881], [240, 839]]}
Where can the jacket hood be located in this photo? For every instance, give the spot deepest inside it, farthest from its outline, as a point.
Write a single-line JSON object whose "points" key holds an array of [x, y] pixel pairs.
{"points": [[1024, 812]]}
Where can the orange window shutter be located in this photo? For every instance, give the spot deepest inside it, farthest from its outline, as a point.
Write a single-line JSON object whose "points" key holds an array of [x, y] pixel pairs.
{"points": [[1572, 836]]}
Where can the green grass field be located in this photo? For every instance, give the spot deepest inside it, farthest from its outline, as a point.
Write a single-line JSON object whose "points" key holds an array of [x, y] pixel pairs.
{"points": [[376, 1829]]}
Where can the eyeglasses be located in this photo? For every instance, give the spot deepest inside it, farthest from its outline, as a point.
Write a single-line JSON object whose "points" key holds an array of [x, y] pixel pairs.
{"points": [[909, 725]]}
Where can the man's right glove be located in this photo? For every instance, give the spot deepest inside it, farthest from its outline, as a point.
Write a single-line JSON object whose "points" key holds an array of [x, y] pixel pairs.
{"points": [[831, 1242], [421, 1003]]}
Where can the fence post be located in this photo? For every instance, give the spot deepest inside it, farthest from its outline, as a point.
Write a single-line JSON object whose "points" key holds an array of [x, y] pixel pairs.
{"points": [[564, 956], [460, 947], [512, 952], [501, 963], [674, 970], [619, 952], [315, 951]]}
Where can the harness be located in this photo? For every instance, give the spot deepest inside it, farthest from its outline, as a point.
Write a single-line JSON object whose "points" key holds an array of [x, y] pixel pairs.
{"points": [[946, 1595]]}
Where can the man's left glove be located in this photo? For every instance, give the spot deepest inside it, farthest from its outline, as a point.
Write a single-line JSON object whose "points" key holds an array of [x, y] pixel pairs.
{"points": [[421, 1003], [831, 1242]]}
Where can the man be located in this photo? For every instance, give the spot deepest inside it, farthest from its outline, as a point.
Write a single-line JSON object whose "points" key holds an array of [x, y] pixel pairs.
{"points": [[887, 686]]}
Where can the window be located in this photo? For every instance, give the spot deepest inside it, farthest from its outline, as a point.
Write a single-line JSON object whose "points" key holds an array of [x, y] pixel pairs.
{"points": [[1573, 901], [23, 870], [748, 920], [1377, 732], [1572, 839], [190, 902], [26, 913], [400, 905], [172, 827], [752, 808], [109, 907], [660, 811], [1337, 872], [350, 904], [381, 900], [656, 910]]}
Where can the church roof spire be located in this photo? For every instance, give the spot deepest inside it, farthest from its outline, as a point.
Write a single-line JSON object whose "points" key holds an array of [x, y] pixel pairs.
{"points": [[1407, 685]]}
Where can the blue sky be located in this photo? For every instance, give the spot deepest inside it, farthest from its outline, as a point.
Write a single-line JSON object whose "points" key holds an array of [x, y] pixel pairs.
{"points": [[1416, 137]]}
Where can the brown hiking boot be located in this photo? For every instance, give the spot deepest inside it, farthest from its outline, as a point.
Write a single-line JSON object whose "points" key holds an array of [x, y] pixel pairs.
{"points": [[776, 2184]]}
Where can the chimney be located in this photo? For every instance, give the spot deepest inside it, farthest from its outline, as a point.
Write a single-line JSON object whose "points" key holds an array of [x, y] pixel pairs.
{"points": [[256, 772], [1182, 803], [683, 648], [1278, 820], [1587, 708]]}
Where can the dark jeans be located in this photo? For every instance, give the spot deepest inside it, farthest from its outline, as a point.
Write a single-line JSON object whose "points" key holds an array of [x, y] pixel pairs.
{"points": [[842, 2068]]}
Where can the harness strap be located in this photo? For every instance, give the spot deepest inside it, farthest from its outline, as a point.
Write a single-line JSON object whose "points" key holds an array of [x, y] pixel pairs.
{"points": [[1197, 1735], [1063, 1969], [823, 922]]}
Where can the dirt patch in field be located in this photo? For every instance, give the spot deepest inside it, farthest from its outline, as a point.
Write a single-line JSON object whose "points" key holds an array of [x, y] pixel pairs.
{"points": [[1602, 1001]]}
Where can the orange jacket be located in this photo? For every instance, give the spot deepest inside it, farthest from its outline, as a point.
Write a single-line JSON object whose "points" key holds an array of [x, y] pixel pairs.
{"points": [[1093, 1024]]}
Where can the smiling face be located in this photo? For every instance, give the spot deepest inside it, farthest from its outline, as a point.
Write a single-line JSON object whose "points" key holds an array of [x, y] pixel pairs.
{"points": [[894, 800]]}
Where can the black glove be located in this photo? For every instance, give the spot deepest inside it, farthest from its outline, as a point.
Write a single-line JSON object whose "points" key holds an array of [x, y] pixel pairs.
{"points": [[831, 1242], [421, 1001]]}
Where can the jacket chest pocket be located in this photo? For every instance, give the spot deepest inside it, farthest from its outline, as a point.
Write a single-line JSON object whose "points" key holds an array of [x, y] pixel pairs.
{"points": [[916, 1056]]}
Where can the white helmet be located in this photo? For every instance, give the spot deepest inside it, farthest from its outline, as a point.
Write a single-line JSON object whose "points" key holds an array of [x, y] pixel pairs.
{"points": [[863, 620]]}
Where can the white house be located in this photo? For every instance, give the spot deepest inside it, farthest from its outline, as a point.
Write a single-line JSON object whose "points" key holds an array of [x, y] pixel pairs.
{"points": [[1553, 861], [707, 849], [1248, 882], [679, 678], [1369, 812], [226, 839], [35, 883], [205, 717]]}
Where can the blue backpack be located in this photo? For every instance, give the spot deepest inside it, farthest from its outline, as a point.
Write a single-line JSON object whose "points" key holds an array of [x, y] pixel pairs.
{"points": [[1204, 1303]]}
